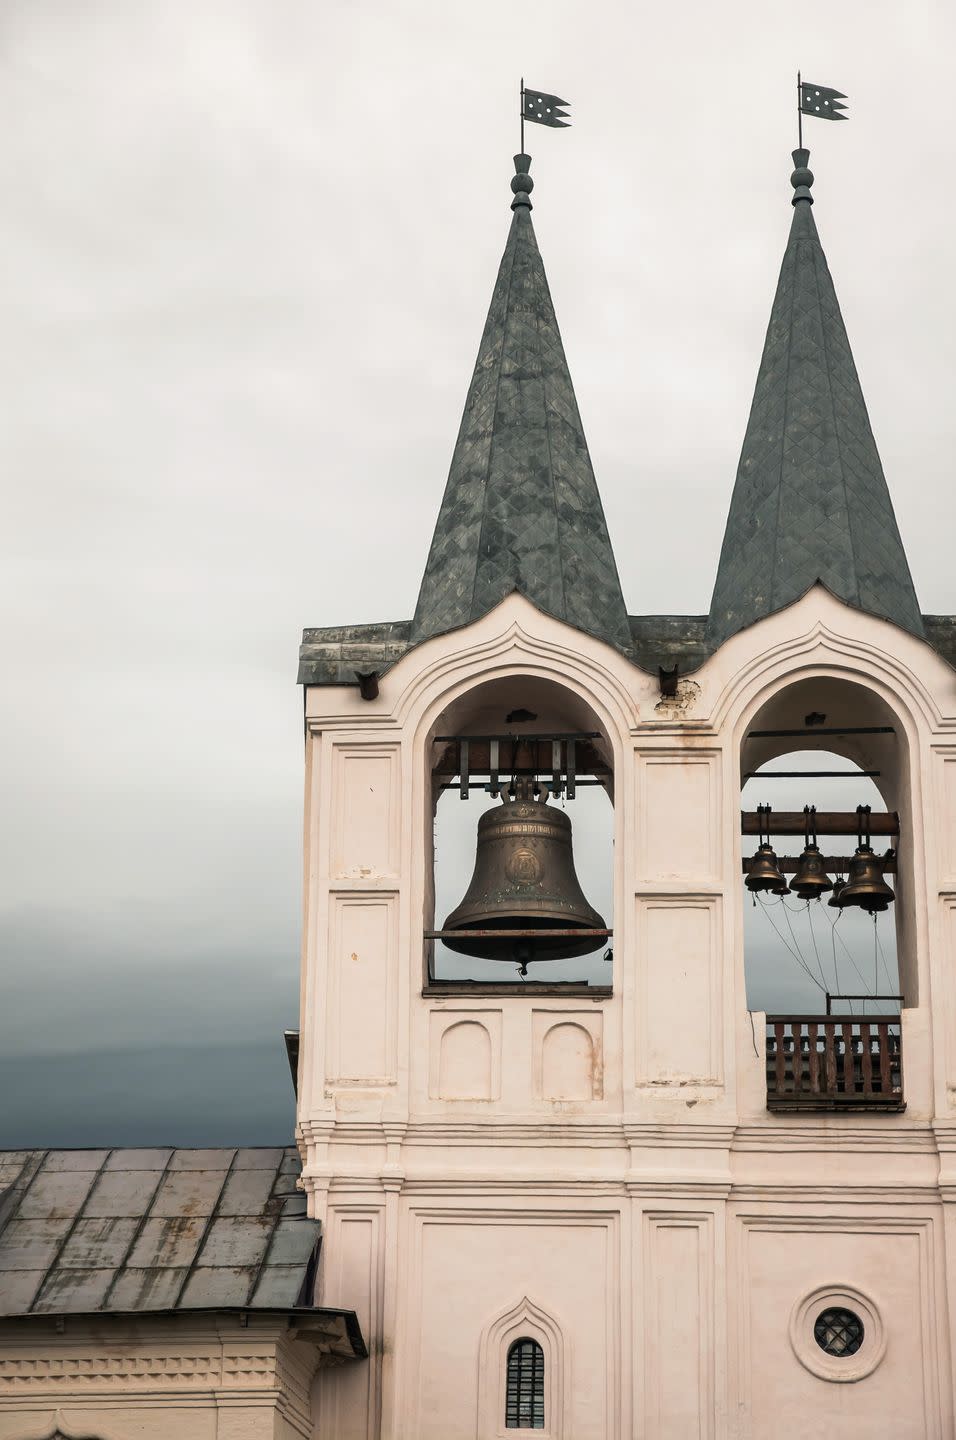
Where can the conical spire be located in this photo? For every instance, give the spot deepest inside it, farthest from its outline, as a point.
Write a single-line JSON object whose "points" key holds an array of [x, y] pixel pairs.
{"points": [[810, 501], [521, 509]]}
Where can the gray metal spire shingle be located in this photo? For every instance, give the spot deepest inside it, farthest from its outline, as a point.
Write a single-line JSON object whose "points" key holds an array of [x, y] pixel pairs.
{"points": [[810, 501], [521, 509]]}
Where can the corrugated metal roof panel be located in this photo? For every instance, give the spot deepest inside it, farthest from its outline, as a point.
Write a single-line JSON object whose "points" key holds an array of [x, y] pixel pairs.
{"points": [[275, 1282], [258, 1159], [100, 1242], [75, 1160], [188, 1192], [247, 1192], [31, 1244], [235, 1241], [210, 1286], [133, 1159], [146, 1289], [122, 1192], [72, 1290], [167, 1243]]}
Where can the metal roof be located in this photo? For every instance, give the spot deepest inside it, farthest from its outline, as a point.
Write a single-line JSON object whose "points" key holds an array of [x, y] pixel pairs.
{"points": [[126, 1230], [810, 501], [521, 509]]}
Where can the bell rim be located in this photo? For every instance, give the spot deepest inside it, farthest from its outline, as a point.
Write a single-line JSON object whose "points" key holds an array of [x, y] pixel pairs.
{"points": [[566, 949]]}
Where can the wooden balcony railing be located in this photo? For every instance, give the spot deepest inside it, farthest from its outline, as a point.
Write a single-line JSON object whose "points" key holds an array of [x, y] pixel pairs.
{"points": [[834, 1062]]}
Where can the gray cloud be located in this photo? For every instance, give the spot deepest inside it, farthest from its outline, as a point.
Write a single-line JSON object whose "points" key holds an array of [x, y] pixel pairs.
{"points": [[246, 254]]}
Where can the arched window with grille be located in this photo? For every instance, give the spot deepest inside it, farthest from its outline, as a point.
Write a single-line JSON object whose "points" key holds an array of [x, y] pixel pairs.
{"points": [[524, 1393]]}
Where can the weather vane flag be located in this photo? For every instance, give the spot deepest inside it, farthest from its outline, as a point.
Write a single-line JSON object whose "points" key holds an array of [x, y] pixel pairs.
{"points": [[818, 100], [542, 109]]}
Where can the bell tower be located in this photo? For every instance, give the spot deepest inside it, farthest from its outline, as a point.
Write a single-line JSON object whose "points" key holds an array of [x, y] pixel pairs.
{"points": [[571, 1180]]}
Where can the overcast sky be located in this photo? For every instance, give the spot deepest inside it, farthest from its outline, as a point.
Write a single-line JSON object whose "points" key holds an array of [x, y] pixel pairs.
{"points": [[246, 253]]}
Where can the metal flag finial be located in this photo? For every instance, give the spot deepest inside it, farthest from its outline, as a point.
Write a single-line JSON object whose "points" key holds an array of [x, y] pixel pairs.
{"points": [[818, 100], [539, 108]]}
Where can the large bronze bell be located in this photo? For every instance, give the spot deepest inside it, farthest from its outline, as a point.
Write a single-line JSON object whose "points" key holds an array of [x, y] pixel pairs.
{"points": [[865, 885], [811, 879], [764, 873], [524, 879]]}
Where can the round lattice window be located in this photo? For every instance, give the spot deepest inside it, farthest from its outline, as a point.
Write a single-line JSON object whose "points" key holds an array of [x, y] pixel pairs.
{"points": [[838, 1332]]}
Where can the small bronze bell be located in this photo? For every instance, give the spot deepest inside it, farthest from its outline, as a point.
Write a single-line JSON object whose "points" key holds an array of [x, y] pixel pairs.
{"points": [[839, 885], [865, 885], [764, 873], [811, 880], [524, 879]]}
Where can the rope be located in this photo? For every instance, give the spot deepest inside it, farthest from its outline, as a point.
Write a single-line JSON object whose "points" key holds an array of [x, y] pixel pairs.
{"points": [[849, 952], [797, 943], [886, 968], [765, 907], [816, 950]]}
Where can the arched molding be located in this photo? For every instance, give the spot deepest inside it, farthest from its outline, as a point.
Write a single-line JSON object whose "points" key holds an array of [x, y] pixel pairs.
{"points": [[571, 660], [525, 1319], [512, 657], [826, 665], [825, 650], [576, 1078], [465, 1046]]}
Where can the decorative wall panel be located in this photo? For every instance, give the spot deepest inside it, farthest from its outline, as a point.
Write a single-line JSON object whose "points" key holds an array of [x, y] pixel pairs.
{"points": [[946, 761], [788, 1263], [361, 1015], [350, 1395], [365, 811], [678, 1326], [679, 985], [677, 817], [566, 1265]]}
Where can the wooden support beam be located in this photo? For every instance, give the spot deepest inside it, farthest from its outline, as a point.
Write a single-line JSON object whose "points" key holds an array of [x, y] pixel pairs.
{"points": [[827, 822]]}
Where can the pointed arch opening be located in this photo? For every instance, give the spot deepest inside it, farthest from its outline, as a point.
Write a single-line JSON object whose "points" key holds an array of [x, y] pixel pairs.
{"points": [[524, 1379], [507, 740]]}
